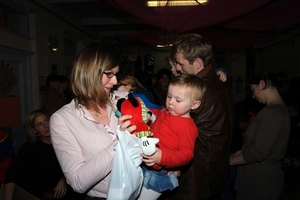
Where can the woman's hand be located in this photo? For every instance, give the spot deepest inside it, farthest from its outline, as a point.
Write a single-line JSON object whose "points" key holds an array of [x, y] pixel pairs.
{"points": [[236, 153], [153, 159], [237, 158], [61, 188], [125, 123]]}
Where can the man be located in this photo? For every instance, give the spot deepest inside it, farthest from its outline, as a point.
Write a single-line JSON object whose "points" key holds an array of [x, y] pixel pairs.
{"points": [[206, 174], [54, 97]]}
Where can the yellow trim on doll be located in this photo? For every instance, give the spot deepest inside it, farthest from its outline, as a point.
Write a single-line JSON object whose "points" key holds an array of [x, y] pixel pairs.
{"points": [[144, 134]]}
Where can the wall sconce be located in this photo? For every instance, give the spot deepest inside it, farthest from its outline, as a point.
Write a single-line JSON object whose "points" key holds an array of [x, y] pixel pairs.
{"points": [[53, 43]]}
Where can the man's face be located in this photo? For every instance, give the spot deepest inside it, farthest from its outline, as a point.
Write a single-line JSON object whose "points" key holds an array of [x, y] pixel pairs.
{"points": [[183, 66], [55, 84]]}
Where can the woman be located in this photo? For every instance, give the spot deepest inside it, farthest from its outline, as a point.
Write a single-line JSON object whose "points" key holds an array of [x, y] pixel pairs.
{"points": [[83, 131], [36, 168], [265, 143]]}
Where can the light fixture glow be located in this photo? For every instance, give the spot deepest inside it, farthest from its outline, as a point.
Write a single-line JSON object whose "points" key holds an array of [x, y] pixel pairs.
{"points": [[163, 45], [175, 3]]}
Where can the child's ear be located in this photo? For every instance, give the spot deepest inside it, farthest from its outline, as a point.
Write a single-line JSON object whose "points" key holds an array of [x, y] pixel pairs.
{"points": [[196, 105]]}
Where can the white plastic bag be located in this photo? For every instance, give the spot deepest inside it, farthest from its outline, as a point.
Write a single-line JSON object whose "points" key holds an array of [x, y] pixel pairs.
{"points": [[126, 177]]}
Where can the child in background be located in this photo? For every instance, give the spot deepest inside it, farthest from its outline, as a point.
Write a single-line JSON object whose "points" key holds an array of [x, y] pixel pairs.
{"points": [[129, 83], [177, 134]]}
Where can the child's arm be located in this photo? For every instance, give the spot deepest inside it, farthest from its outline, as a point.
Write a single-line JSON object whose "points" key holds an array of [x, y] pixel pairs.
{"points": [[222, 73], [169, 157]]}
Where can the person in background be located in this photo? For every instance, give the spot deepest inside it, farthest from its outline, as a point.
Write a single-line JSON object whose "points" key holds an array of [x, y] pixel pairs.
{"points": [[145, 86], [64, 82], [177, 134], [163, 79], [54, 97], [35, 168], [84, 131], [205, 176], [265, 143], [129, 83], [6, 154], [154, 80]]}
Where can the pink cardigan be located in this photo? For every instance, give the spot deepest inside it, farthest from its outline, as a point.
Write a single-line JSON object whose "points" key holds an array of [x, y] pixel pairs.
{"points": [[84, 148]]}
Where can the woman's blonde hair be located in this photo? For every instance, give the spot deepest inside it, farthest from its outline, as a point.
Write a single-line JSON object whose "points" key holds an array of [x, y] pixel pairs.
{"points": [[90, 63], [29, 124]]}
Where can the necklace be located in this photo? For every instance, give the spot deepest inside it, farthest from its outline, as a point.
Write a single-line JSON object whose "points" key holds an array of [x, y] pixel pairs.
{"points": [[97, 114]]}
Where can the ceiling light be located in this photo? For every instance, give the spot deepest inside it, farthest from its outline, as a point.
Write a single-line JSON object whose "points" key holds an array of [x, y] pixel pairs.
{"points": [[163, 45], [175, 3]]}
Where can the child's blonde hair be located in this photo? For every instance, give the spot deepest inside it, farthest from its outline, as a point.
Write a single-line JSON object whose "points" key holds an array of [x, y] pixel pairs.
{"points": [[192, 82], [125, 80]]}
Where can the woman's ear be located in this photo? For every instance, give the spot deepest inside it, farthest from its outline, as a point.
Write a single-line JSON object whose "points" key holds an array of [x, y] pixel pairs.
{"points": [[262, 84], [196, 105]]}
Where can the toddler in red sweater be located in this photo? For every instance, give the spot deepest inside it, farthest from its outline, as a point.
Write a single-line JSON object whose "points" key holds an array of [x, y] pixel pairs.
{"points": [[177, 134]]}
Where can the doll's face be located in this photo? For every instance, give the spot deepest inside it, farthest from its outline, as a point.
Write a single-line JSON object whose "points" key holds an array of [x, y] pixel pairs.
{"points": [[7, 80]]}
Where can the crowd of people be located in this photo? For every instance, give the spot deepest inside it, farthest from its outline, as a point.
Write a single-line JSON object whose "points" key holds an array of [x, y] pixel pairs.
{"points": [[207, 145]]}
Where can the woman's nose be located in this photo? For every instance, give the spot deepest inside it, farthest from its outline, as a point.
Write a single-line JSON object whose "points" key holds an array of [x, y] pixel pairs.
{"points": [[46, 124], [114, 80]]}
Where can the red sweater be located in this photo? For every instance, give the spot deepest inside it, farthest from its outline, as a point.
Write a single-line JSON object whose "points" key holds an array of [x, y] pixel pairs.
{"points": [[177, 136]]}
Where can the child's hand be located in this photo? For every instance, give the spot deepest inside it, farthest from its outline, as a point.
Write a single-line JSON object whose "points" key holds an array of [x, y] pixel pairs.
{"points": [[125, 123], [222, 75], [154, 159]]}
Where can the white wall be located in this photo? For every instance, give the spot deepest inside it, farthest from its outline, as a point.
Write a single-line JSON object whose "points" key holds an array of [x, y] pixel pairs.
{"points": [[26, 50]]}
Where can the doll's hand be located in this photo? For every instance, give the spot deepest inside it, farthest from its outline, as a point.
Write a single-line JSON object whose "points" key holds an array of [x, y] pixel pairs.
{"points": [[222, 75], [125, 123], [153, 159]]}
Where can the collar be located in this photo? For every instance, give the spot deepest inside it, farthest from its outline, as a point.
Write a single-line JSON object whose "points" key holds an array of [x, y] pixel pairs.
{"points": [[206, 70]]}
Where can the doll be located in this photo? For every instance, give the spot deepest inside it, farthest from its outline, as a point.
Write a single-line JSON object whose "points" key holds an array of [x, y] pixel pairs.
{"points": [[137, 109]]}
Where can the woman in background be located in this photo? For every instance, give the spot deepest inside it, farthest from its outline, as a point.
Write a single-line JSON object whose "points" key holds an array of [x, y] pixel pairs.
{"points": [[265, 143], [35, 168]]}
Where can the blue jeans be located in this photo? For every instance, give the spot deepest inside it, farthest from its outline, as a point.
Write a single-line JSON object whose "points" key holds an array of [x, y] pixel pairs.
{"points": [[159, 181], [226, 192]]}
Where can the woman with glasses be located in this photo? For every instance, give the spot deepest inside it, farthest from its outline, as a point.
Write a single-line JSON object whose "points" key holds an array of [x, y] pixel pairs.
{"points": [[83, 131]]}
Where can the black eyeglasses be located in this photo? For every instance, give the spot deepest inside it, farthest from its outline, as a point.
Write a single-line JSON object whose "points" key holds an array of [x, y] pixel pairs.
{"points": [[110, 74]]}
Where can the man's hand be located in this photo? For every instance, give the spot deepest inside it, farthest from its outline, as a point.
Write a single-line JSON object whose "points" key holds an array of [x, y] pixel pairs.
{"points": [[177, 173]]}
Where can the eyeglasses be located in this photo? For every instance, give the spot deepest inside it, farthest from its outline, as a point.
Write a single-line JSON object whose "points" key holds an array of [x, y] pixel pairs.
{"points": [[110, 74]]}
